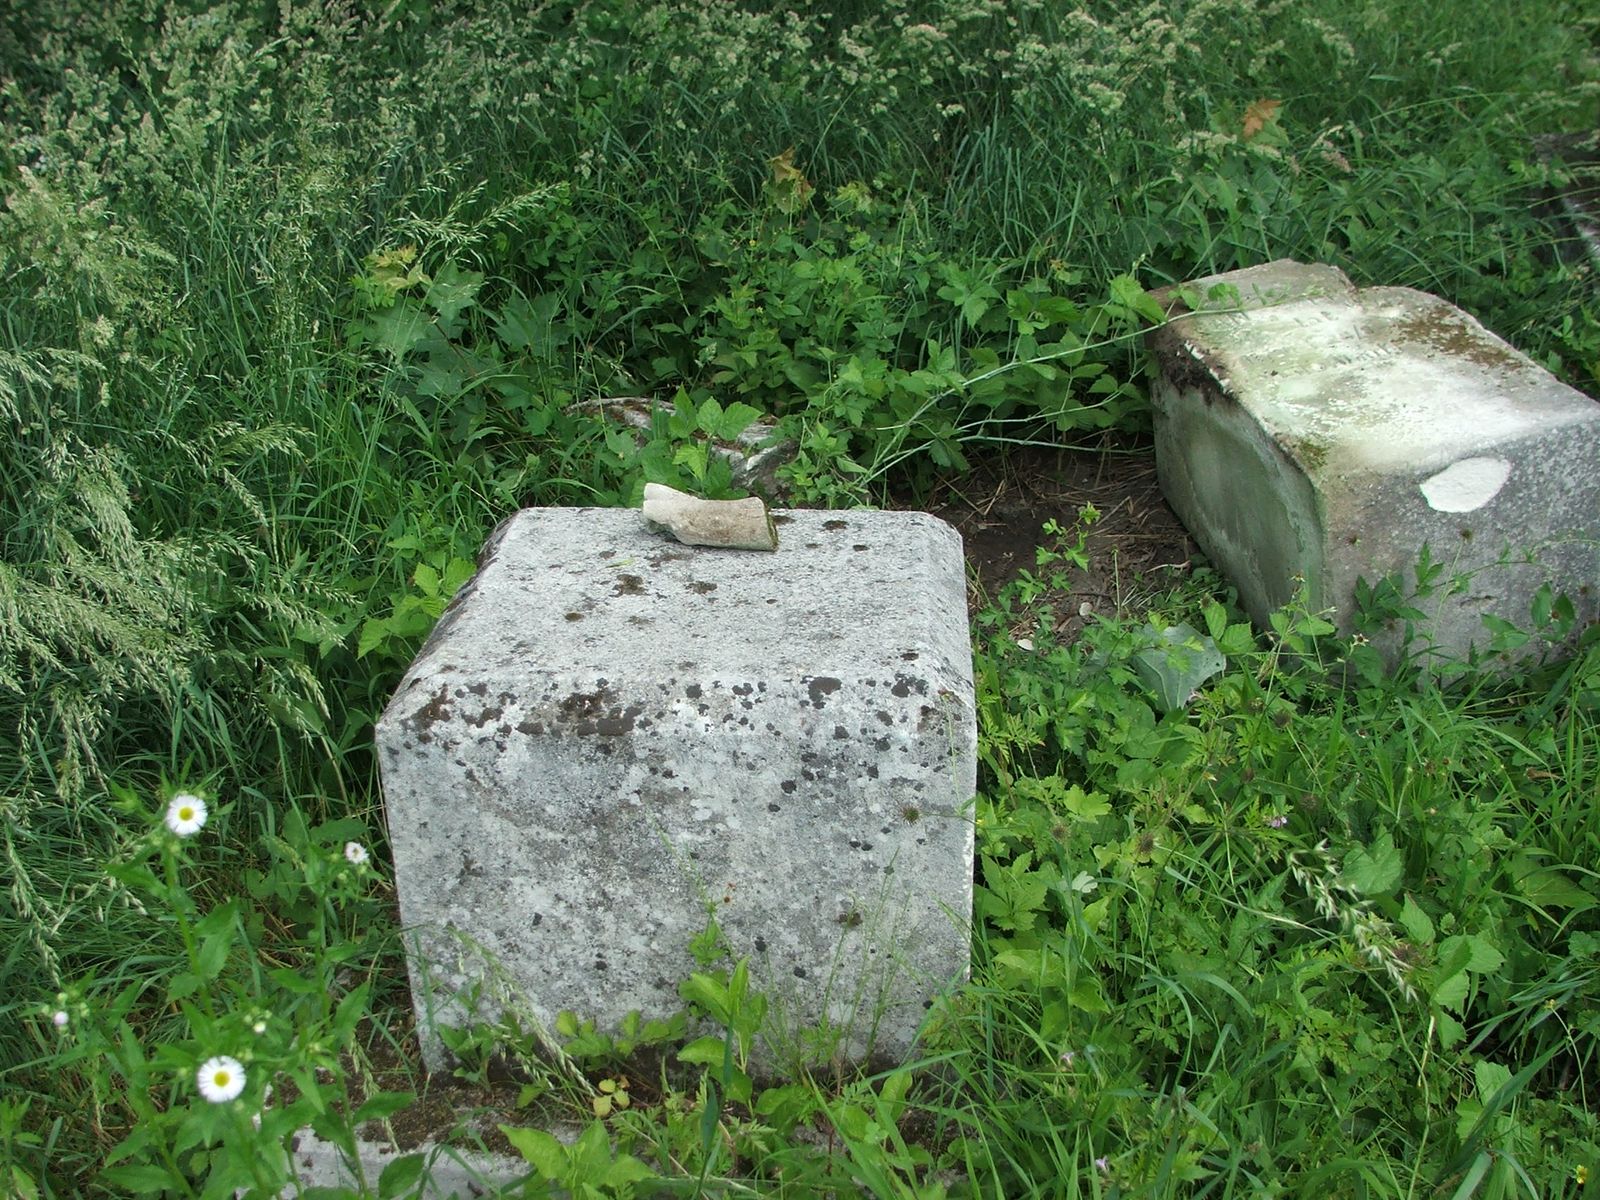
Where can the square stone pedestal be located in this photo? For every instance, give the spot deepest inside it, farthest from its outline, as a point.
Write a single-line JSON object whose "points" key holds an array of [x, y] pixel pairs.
{"points": [[1308, 429], [611, 737]]}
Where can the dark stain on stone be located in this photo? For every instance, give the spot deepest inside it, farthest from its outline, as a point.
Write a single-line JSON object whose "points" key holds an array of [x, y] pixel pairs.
{"points": [[820, 687], [530, 727], [904, 685], [881, 744], [1447, 331], [860, 546], [909, 656], [478, 689], [835, 525], [430, 714], [742, 689], [788, 786], [694, 691], [840, 733], [774, 808], [872, 770], [703, 587], [628, 585], [761, 944], [583, 706], [574, 616], [489, 714], [618, 723], [781, 519]]}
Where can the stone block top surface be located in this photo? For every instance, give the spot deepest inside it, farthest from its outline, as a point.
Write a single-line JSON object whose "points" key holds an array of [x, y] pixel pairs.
{"points": [[579, 590], [1368, 380]]}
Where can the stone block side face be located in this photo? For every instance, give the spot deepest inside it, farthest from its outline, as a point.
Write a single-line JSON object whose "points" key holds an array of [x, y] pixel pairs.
{"points": [[1534, 507], [1337, 434], [563, 830], [1268, 534]]}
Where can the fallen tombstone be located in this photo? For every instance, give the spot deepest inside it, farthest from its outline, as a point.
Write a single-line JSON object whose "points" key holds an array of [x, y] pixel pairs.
{"points": [[1308, 430], [612, 740]]}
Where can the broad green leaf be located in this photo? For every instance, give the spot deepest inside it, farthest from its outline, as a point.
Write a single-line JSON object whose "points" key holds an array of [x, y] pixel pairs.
{"points": [[182, 984], [709, 994], [401, 1175], [1175, 663], [1489, 1077], [373, 634], [382, 1105], [1550, 888], [22, 1184], [625, 1170], [453, 290], [398, 330], [736, 418], [1087, 996], [1451, 1032], [590, 1155], [1472, 952], [426, 578], [1375, 870], [1452, 992], [1086, 806], [214, 953], [1416, 923], [706, 1051], [540, 1150], [709, 418]]}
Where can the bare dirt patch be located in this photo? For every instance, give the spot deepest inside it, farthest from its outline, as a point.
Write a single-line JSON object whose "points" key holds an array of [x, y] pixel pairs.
{"points": [[1136, 547]]}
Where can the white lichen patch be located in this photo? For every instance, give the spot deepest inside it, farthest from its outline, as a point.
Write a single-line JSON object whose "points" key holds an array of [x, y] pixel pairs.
{"points": [[1466, 485]]}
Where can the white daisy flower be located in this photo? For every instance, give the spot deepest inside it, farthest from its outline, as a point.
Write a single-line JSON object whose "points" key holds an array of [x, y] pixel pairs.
{"points": [[186, 815], [355, 853], [221, 1079]]}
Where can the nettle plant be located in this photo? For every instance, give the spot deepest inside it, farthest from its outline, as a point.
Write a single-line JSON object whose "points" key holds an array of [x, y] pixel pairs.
{"points": [[204, 1071], [878, 353]]}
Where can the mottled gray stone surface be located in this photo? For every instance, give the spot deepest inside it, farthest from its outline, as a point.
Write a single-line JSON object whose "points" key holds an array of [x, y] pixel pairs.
{"points": [[610, 735], [1330, 432], [449, 1173]]}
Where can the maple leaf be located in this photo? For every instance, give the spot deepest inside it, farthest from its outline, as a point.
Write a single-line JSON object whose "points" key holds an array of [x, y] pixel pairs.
{"points": [[790, 188], [1259, 115]]}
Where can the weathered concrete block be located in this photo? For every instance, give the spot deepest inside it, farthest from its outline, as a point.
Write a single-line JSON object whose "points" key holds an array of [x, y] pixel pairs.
{"points": [[611, 737], [1325, 432]]}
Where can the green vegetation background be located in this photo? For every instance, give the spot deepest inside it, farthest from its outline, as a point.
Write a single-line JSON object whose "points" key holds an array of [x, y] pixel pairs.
{"points": [[296, 301]]}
